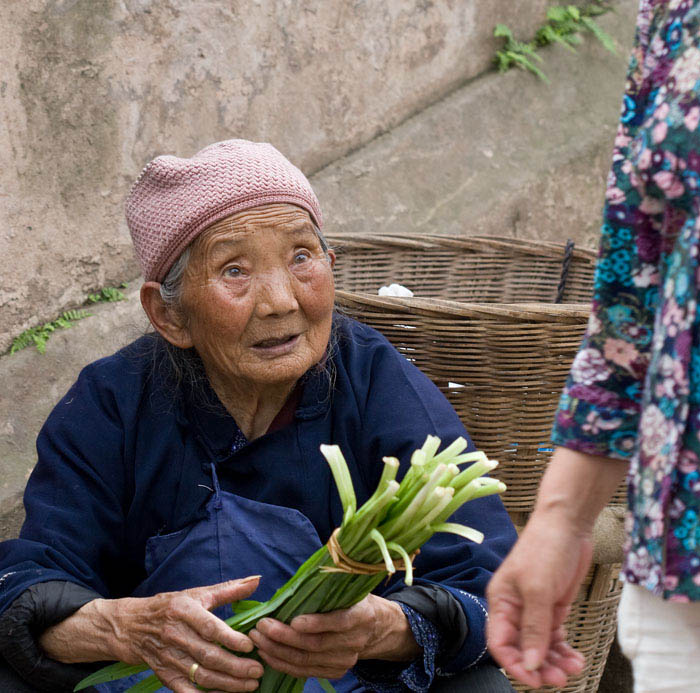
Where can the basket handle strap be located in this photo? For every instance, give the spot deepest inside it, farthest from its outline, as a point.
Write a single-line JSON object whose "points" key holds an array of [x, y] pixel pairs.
{"points": [[565, 264]]}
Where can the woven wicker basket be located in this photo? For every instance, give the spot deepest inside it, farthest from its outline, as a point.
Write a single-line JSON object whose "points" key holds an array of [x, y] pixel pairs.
{"points": [[485, 328], [478, 270], [495, 323]]}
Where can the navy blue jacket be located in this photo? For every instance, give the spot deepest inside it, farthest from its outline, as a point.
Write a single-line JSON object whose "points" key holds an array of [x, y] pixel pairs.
{"points": [[126, 455]]}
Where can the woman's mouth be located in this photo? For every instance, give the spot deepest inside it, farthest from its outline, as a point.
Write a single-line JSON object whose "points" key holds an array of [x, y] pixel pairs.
{"points": [[276, 346]]}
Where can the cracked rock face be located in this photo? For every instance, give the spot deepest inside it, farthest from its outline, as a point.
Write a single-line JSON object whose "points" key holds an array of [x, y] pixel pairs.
{"points": [[92, 89]]}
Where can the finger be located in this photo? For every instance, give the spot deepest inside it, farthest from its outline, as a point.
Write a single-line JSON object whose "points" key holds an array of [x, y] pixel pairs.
{"points": [[319, 671], [561, 648], [180, 684], [504, 637], [503, 634], [184, 638], [282, 633], [504, 645], [216, 659], [332, 622], [567, 666], [570, 667], [572, 661], [209, 627], [553, 675], [536, 626], [562, 661], [341, 658], [175, 681], [507, 652], [566, 649], [533, 679], [218, 681], [176, 666], [223, 593]]}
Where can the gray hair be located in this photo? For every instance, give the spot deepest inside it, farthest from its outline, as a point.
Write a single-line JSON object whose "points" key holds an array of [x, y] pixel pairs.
{"points": [[171, 286]]}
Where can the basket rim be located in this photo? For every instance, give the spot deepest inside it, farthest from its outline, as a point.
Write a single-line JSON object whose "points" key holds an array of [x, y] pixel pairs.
{"points": [[572, 313], [429, 241]]}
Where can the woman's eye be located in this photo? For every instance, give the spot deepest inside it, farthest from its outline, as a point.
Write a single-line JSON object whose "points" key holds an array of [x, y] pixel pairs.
{"points": [[232, 271], [302, 256]]}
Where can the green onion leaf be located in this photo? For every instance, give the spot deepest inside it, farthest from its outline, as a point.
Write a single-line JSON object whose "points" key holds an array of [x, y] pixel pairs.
{"points": [[113, 672], [418, 458], [391, 469], [462, 530], [451, 451], [341, 474], [444, 496], [476, 456], [245, 605], [472, 472], [379, 539], [430, 447], [150, 684], [408, 564]]}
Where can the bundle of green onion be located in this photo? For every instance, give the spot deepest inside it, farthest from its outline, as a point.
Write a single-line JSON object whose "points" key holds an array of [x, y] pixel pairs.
{"points": [[391, 526]]}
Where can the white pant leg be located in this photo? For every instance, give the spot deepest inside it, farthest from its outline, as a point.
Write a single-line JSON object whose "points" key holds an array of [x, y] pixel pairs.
{"points": [[661, 639]]}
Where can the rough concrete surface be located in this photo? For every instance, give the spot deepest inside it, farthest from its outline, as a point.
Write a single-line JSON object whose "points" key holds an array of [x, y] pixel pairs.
{"points": [[504, 154], [92, 89], [508, 155], [35, 382]]}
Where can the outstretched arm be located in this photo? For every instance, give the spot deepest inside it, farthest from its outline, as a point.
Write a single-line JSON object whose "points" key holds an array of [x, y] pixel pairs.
{"points": [[531, 593]]}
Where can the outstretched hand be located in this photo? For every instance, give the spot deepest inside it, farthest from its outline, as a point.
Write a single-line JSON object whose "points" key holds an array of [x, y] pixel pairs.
{"points": [[531, 593], [529, 599]]}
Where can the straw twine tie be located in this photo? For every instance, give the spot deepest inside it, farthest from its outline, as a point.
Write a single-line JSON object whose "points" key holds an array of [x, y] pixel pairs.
{"points": [[344, 564]]}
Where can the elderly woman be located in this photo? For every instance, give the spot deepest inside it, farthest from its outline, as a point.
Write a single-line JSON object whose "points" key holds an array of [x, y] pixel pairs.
{"points": [[184, 472]]}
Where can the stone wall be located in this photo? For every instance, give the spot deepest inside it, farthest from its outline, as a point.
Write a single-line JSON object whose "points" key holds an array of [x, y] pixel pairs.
{"points": [[92, 89], [502, 154]]}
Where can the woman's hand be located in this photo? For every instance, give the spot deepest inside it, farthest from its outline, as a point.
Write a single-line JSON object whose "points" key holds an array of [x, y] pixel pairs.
{"points": [[529, 599], [327, 645], [170, 632], [531, 593]]}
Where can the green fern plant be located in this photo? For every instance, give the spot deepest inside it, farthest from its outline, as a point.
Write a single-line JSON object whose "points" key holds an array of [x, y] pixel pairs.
{"points": [[515, 52], [564, 26], [108, 294], [41, 334]]}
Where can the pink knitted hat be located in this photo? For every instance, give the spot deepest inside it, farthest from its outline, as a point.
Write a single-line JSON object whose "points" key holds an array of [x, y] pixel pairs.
{"points": [[174, 200]]}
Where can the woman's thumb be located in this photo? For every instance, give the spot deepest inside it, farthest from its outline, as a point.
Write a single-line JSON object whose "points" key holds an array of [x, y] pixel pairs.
{"points": [[230, 591]]}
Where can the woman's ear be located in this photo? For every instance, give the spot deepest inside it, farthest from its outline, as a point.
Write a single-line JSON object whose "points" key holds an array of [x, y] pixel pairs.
{"points": [[331, 256], [165, 319]]}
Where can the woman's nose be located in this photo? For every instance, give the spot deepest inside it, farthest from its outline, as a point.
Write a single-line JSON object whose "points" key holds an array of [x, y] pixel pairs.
{"points": [[276, 295]]}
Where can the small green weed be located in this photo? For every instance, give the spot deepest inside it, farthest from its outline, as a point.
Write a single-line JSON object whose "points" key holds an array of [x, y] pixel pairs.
{"points": [[516, 53], [564, 26], [41, 334], [108, 294]]}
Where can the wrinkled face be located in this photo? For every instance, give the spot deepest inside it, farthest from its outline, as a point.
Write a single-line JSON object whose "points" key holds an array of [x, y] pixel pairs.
{"points": [[258, 297]]}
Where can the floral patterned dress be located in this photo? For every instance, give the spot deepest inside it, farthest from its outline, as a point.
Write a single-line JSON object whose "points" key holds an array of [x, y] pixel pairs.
{"points": [[634, 387]]}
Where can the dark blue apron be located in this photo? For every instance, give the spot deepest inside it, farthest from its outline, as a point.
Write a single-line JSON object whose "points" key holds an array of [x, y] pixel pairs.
{"points": [[238, 537]]}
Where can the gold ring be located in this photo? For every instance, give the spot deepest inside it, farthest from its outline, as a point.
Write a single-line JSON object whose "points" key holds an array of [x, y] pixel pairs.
{"points": [[193, 671]]}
